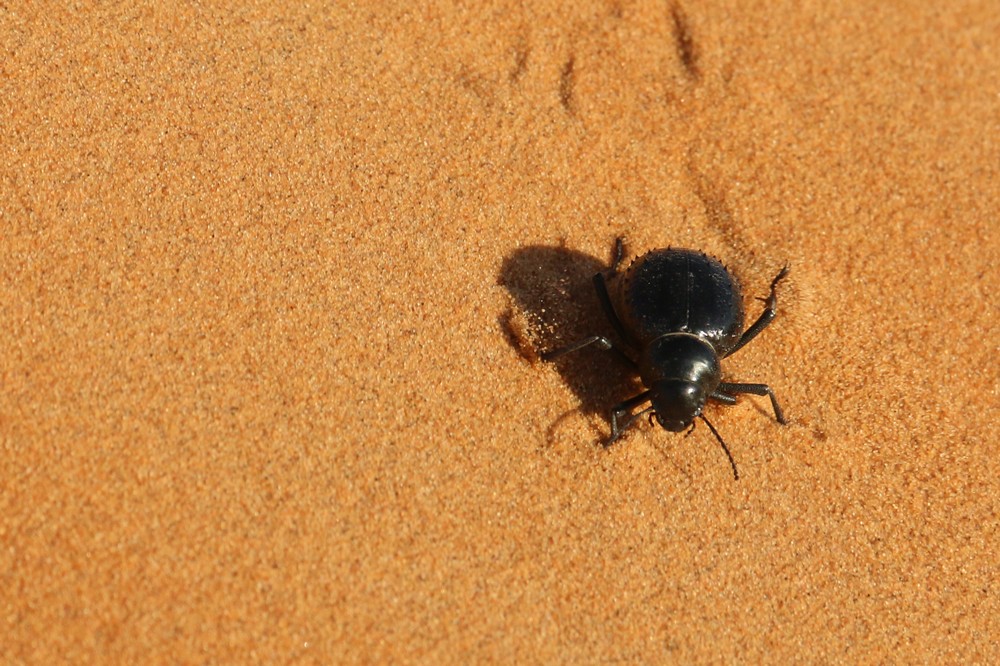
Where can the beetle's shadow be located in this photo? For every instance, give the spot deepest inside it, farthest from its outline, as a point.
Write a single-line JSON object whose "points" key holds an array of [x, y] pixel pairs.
{"points": [[553, 304]]}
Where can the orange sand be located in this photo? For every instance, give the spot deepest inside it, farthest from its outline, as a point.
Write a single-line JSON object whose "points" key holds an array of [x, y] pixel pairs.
{"points": [[271, 281]]}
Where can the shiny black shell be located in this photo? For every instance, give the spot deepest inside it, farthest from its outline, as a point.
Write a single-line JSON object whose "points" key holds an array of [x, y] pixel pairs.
{"points": [[675, 290]]}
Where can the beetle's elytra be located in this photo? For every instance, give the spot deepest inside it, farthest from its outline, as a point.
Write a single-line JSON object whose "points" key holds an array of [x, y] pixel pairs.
{"points": [[677, 313]]}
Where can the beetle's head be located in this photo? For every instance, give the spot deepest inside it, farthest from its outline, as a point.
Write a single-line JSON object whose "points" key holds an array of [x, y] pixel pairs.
{"points": [[677, 402], [681, 370]]}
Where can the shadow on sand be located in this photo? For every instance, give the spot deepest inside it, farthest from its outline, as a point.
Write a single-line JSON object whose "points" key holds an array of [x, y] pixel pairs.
{"points": [[553, 303]]}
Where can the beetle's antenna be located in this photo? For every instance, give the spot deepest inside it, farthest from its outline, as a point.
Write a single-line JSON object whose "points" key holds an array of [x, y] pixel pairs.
{"points": [[736, 475]]}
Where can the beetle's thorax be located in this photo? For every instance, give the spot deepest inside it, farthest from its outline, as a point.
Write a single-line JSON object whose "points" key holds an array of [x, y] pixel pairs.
{"points": [[681, 357]]}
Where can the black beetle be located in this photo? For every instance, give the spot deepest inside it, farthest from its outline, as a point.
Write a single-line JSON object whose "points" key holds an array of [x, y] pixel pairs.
{"points": [[679, 312]]}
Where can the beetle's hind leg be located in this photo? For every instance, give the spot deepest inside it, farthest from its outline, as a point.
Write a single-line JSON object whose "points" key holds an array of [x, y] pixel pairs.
{"points": [[766, 317], [725, 390], [601, 287], [619, 253], [599, 340]]}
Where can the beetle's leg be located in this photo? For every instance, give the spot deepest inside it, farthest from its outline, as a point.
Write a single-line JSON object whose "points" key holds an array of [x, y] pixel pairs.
{"points": [[765, 318], [623, 409], [601, 287], [599, 340], [724, 398], [722, 394], [609, 311], [619, 253]]}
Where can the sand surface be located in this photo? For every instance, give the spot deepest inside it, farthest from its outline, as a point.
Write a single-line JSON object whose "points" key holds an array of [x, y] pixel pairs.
{"points": [[273, 280]]}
